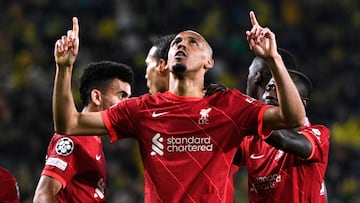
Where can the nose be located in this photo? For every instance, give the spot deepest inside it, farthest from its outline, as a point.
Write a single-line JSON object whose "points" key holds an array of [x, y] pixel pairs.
{"points": [[265, 95], [269, 93], [181, 45], [272, 92]]}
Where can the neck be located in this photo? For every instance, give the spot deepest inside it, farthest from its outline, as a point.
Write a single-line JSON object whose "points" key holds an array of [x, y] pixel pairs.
{"points": [[186, 87]]}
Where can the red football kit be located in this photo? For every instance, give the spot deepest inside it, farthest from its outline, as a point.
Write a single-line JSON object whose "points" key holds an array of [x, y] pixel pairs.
{"points": [[276, 176], [187, 144], [9, 192], [78, 162]]}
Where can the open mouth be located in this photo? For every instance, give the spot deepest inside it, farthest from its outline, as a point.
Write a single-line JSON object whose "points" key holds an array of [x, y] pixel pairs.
{"points": [[180, 54]]}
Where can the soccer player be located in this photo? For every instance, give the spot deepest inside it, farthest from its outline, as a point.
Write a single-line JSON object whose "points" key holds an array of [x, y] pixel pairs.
{"points": [[157, 75], [289, 165], [9, 192], [187, 142], [259, 73], [75, 168]]}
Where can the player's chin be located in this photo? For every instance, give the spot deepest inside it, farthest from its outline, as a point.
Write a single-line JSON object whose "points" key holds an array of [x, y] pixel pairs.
{"points": [[179, 67], [271, 102]]}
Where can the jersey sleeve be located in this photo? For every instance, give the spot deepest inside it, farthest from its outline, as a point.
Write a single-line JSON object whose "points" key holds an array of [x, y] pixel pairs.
{"points": [[9, 188], [263, 132], [61, 158], [319, 137], [243, 151], [119, 119], [250, 113]]}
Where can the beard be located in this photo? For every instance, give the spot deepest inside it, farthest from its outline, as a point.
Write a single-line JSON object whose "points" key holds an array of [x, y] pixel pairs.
{"points": [[178, 70]]}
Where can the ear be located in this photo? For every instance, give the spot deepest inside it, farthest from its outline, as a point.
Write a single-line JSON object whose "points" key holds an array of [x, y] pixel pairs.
{"points": [[257, 77], [162, 66], [95, 96], [209, 63], [305, 101]]}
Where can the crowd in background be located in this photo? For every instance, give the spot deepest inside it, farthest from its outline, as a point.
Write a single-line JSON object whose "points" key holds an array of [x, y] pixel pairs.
{"points": [[321, 34]]}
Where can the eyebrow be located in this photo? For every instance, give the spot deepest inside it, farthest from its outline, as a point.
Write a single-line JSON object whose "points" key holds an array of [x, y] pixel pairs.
{"points": [[187, 37]]}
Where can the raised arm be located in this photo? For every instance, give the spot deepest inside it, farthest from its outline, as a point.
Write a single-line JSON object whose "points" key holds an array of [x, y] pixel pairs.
{"points": [[67, 120], [291, 112]]}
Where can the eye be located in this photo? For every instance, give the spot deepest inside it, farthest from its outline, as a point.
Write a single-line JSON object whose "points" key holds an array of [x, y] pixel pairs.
{"points": [[270, 87], [193, 41], [123, 95], [176, 41]]}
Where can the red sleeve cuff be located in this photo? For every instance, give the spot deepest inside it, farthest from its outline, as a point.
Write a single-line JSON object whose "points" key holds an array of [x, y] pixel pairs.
{"points": [[311, 140], [111, 131], [263, 133]]}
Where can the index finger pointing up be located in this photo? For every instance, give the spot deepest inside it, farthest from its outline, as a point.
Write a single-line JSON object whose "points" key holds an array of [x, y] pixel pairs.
{"points": [[253, 18], [75, 26]]}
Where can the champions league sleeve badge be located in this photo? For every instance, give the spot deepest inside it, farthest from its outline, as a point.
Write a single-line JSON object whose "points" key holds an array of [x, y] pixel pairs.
{"points": [[64, 146]]}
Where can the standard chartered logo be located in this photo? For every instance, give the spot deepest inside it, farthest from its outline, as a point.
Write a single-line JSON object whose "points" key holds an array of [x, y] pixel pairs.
{"points": [[180, 144], [265, 182], [189, 144], [157, 145]]}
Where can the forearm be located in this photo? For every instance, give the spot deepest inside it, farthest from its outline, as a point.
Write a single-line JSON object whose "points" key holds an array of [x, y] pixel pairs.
{"points": [[290, 141], [292, 110], [63, 102], [44, 197]]}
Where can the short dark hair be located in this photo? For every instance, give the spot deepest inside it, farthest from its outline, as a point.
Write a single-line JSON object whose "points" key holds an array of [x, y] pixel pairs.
{"points": [[98, 75], [302, 81], [162, 45], [289, 61], [288, 58]]}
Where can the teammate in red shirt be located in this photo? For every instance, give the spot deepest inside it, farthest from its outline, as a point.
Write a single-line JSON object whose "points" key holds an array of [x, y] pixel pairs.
{"points": [[75, 168], [289, 165], [187, 142], [9, 192], [157, 75]]}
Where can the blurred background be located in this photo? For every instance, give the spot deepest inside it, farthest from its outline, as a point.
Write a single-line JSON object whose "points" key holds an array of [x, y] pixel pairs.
{"points": [[322, 34]]}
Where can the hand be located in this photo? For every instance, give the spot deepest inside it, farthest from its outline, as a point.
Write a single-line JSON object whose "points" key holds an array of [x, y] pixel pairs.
{"points": [[67, 47], [261, 40], [213, 88]]}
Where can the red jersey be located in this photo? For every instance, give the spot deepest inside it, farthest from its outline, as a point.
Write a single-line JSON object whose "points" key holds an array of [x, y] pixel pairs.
{"points": [[9, 192], [276, 176], [187, 144], [78, 162]]}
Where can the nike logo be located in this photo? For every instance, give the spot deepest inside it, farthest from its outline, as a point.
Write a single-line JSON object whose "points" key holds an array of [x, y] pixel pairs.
{"points": [[154, 114], [98, 157], [254, 156]]}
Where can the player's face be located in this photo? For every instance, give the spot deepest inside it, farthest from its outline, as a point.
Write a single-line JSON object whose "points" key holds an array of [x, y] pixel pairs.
{"points": [[157, 80], [251, 84], [151, 70], [190, 50], [117, 91], [270, 96], [254, 86]]}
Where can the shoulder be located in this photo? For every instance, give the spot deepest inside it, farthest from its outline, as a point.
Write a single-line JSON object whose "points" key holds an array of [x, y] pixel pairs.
{"points": [[231, 97], [5, 173], [223, 94], [66, 145], [58, 138], [316, 130], [318, 133]]}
